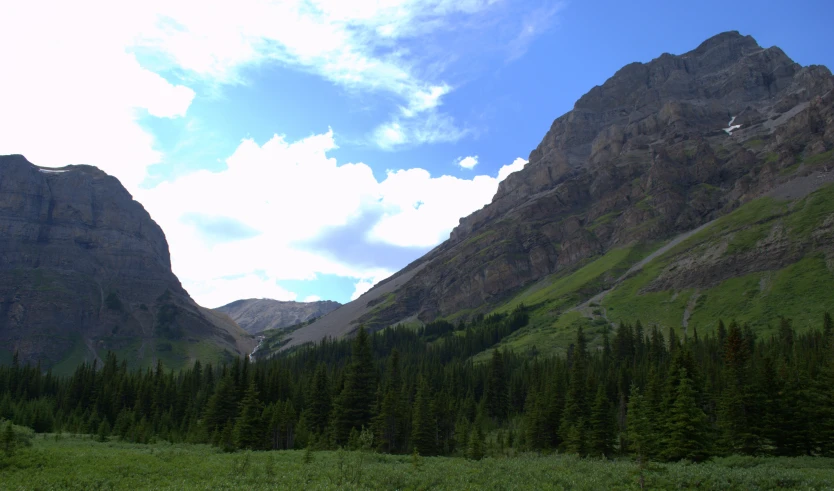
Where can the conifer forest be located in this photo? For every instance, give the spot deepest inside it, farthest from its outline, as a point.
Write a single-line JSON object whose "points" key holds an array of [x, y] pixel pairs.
{"points": [[637, 392]]}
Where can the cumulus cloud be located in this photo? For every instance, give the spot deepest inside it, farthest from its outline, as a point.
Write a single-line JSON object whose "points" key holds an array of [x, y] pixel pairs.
{"points": [[274, 200], [72, 94], [506, 170], [86, 86], [468, 162], [312, 298]]}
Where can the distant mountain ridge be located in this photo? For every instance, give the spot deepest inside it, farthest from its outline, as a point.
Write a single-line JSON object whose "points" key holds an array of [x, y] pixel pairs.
{"points": [[659, 149], [257, 315], [85, 270]]}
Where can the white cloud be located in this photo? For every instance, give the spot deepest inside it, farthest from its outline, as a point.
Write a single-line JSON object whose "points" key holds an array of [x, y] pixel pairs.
{"points": [[72, 94], [220, 291], [280, 194], [506, 170], [77, 89], [468, 162], [312, 298], [74, 80], [533, 25]]}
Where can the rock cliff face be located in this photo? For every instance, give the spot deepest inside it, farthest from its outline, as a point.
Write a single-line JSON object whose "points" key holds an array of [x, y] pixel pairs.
{"points": [[660, 148], [257, 315], [84, 269]]}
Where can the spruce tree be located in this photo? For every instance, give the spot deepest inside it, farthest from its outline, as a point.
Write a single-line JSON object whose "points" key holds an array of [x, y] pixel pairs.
{"points": [[475, 449], [602, 430], [641, 435], [497, 398], [424, 426], [222, 405], [248, 431], [355, 403], [390, 422], [574, 417], [687, 428], [319, 401], [735, 406]]}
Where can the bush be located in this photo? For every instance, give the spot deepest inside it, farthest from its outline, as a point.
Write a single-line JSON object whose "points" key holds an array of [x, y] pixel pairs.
{"points": [[13, 437]]}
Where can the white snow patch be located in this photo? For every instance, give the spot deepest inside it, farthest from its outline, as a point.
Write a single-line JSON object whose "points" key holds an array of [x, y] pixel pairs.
{"points": [[52, 171], [730, 127]]}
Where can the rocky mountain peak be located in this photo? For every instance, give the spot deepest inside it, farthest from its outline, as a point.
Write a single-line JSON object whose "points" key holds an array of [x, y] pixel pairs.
{"points": [[659, 149], [84, 269]]}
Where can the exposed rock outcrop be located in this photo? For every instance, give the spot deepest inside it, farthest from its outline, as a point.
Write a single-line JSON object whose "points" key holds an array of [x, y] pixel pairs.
{"points": [[84, 269], [256, 315], [660, 148]]}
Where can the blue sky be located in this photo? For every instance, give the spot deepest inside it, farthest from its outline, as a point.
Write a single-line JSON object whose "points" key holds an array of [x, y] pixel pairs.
{"points": [[306, 149]]}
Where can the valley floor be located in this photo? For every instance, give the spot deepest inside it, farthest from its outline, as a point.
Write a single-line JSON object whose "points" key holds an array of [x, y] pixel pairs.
{"points": [[84, 464]]}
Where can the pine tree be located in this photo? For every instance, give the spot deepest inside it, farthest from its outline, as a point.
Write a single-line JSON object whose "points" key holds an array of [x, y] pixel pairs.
{"points": [[735, 406], [319, 401], [687, 429], [424, 426], [475, 449], [248, 432], [827, 326], [573, 425], [640, 432], [722, 333], [602, 431], [355, 403], [222, 405], [390, 422], [497, 398]]}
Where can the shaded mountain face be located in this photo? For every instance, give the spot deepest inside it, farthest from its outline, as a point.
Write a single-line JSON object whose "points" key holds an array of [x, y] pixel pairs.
{"points": [[659, 149], [256, 315], [84, 269]]}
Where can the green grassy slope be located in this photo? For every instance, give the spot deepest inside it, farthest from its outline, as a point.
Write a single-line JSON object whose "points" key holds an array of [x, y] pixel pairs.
{"points": [[802, 288]]}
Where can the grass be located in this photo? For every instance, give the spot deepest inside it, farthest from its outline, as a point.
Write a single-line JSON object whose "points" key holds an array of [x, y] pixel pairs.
{"points": [[560, 289], [75, 357], [800, 291], [604, 219], [73, 463], [820, 158]]}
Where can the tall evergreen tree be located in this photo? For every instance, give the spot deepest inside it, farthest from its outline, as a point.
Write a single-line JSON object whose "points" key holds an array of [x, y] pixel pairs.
{"points": [[602, 429], [222, 406], [355, 403], [687, 429], [248, 431], [424, 426], [319, 405], [641, 435], [735, 406], [390, 423], [497, 397], [574, 418]]}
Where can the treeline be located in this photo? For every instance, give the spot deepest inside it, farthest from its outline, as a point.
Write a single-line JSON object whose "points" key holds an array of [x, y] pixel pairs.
{"points": [[404, 390]]}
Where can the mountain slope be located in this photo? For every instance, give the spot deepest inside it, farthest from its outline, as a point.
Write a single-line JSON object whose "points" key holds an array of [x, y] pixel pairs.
{"points": [[84, 269], [257, 315], [659, 149]]}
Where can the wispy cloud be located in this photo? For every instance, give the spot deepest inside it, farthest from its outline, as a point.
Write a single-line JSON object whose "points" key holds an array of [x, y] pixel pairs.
{"points": [[533, 24]]}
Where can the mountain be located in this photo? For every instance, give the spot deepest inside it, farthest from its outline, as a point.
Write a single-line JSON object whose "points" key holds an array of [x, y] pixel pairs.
{"points": [[257, 315], [85, 270], [729, 129]]}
